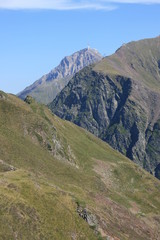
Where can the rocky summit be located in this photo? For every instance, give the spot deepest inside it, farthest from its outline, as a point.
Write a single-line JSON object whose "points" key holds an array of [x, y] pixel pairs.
{"points": [[46, 88], [118, 101]]}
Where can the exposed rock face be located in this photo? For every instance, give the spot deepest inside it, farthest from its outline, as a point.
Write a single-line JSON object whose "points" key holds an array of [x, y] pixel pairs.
{"points": [[118, 101], [2, 95], [46, 88], [4, 167], [88, 217]]}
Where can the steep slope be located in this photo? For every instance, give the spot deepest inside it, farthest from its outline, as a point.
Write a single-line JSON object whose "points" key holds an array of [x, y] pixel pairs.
{"points": [[46, 88], [57, 181], [118, 101]]}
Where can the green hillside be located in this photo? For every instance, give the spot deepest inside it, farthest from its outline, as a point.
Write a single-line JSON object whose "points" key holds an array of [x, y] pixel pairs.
{"points": [[139, 60], [60, 182]]}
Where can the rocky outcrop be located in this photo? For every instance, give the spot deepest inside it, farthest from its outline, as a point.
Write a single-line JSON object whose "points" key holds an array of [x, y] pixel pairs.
{"points": [[4, 167], [2, 95], [118, 101], [90, 218], [46, 88]]}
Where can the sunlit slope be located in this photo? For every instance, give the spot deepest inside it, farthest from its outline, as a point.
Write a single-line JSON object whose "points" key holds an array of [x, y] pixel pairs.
{"points": [[139, 60], [50, 170]]}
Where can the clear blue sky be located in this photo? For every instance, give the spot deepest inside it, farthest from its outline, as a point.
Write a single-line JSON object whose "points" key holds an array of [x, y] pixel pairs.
{"points": [[33, 41]]}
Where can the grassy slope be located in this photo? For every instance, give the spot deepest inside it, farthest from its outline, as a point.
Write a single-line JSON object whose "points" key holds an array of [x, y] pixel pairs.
{"points": [[38, 200], [47, 91], [138, 60]]}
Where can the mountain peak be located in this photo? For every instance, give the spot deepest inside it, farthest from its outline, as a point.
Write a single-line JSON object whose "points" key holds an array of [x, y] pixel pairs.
{"points": [[75, 62], [48, 86], [91, 50]]}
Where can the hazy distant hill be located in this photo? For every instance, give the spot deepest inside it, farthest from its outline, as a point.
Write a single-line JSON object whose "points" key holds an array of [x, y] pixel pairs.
{"points": [[57, 181], [118, 100], [46, 88]]}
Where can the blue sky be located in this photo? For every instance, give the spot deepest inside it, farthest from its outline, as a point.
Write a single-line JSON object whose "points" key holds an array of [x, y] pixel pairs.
{"points": [[35, 35]]}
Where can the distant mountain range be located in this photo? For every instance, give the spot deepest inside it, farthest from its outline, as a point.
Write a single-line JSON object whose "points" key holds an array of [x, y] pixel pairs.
{"points": [[46, 88], [118, 100]]}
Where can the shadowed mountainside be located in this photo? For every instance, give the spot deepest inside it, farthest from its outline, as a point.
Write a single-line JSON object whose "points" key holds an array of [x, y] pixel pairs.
{"points": [[118, 100]]}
